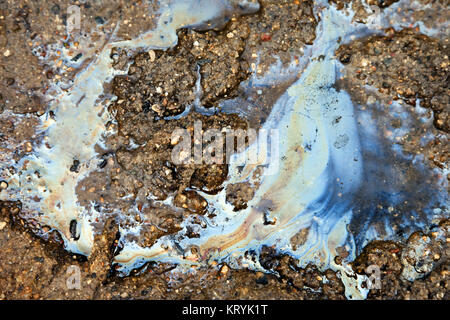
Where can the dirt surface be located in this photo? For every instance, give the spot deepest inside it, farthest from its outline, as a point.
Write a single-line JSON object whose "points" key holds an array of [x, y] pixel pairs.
{"points": [[34, 269], [405, 65], [163, 84], [137, 160], [26, 25]]}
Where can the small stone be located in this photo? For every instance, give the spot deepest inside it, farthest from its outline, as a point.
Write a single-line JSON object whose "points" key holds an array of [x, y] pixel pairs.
{"points": [[364, 62], [261, 278], [75, 166], [156, 108], [55, 9], [266, 37], [152, 55], [371, 100], [99, 20], [3, 185], [28, 147], [224, 270], [175, 139], [7, 53], [77, 57], [2, 225]]}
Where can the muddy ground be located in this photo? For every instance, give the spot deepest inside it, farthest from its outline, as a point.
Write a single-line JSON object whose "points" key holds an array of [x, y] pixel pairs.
{"points": [[33, 268]]}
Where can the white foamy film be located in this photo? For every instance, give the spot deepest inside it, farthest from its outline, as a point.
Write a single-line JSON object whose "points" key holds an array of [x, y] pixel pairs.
{"points": [[77, 125]]}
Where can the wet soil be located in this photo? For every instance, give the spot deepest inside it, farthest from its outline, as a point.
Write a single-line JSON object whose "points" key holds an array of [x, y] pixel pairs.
{"points": [[204, 69], [35, 269], [137, 162], [404, 65]]}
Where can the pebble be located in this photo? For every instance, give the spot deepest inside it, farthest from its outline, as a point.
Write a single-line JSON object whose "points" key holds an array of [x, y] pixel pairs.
{"points": [[3, 185], [2, 225], [371, 100], [28, 147], [99, 20], [224, 270], [152, 55], [7, 53], [156, 108], [174, 141], [364, 62], [55, 9]]}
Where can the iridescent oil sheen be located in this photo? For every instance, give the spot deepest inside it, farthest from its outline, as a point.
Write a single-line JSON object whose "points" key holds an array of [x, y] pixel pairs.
{"points": [[336, 166]]}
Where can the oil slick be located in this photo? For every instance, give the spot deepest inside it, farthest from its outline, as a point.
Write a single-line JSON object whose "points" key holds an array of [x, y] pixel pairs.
{"points": [[326, 161], [76, 122], [337, 165], [313, 189]]}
